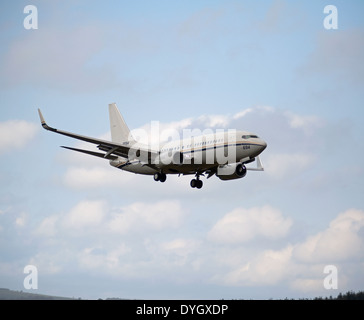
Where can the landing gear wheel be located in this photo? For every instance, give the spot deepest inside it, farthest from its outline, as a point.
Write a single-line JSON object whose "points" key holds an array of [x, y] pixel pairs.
{"points": [[160, 176], [195, 183]]}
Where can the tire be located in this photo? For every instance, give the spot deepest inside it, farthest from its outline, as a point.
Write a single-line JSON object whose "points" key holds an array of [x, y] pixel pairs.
{"points": [[199, 184], [157, 176], [193, 183], [162, 177], [240, 170]]}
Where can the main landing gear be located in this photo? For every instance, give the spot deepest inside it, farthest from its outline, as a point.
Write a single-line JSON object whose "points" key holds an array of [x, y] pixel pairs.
{"points": [[160, 176], [196, 183]]}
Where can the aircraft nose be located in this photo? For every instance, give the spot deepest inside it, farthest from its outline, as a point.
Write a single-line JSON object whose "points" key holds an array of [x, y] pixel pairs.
{"points": [[263, 145]]}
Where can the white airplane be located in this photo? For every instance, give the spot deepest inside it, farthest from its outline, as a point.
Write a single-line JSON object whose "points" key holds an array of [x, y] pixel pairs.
{"points": [[224, 154]]}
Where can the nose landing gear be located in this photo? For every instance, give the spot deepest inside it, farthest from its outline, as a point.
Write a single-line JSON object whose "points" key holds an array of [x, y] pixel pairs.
{"points": [[196, 183]]}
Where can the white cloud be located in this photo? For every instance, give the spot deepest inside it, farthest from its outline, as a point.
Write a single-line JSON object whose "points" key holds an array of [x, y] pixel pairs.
{"points": [[260, 109], [20, 221], [138, 216], [282, 165], [50, 263], [267, 268], [243, 113], [178, 252], [305, 122], [307, 284], [299, 266], [141, 216], [95, 258], [136, 255], [48, 226], [242, 225], [95, 177], [147, 250], [85, 214], [15, 134], [214, 121], [157, 132], [339, 242], [181, 247]]}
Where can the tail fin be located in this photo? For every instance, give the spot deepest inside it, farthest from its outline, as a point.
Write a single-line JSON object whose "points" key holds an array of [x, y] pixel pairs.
{"points": [[119, 130]]}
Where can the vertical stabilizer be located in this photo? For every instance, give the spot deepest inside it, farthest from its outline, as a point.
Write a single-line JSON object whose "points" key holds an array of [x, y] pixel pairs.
{"points": [[119, 130]]}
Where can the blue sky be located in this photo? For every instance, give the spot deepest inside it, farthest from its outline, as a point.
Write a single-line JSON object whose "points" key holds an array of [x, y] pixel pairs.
{"points": [[265, 66]]}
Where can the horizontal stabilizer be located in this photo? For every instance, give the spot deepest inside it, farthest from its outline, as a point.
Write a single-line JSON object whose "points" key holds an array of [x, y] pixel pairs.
{"points": [[93, 153]]}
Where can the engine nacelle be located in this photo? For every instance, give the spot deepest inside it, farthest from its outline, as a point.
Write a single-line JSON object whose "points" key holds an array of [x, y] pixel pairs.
{"points": [[170, 159], [231, 171]]}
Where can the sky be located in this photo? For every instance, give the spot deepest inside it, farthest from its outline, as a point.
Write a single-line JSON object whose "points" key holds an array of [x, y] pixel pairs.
{"points": [[269, 67]]}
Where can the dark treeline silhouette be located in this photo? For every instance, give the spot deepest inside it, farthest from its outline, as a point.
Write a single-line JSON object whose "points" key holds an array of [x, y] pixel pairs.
{"points": [[350, 295], [6, 294]]}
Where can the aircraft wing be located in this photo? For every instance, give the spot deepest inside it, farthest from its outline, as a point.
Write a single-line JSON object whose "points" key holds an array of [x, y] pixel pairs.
{"points": [[111, 148], [93, 153]]}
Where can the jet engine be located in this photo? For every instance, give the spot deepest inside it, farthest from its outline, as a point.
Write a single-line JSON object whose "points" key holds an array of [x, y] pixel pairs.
{"points": [[231, 171]]}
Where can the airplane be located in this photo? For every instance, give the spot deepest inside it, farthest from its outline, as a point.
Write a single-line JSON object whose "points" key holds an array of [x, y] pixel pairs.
{"points": [[224, 154]]}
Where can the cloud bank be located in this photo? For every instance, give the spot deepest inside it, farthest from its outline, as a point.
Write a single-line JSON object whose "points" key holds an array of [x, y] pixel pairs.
{"points": [[15, 134]]}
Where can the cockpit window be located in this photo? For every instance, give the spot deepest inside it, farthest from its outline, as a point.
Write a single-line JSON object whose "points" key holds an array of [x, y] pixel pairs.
{"points": [[249, 136]]}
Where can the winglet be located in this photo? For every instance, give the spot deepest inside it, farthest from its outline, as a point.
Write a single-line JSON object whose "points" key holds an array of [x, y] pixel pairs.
{"points": [[44, 124], [41, 117]]}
